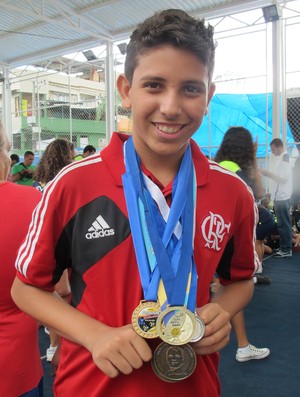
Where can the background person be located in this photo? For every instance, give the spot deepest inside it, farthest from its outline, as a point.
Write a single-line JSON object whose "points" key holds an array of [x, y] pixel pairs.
{"points": [[20, 363], [237, 153], [23, 172], [282, 194], [87, 151], [14, 159], [57, 155]]}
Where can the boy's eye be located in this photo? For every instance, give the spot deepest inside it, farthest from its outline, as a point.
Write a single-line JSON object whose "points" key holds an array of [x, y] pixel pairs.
{"points": [[191, 89], [152, 85]]}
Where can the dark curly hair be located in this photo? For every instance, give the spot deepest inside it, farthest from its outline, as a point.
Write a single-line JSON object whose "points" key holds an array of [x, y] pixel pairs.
{"points": [[237, 146], [174, 27], [57, 155]]}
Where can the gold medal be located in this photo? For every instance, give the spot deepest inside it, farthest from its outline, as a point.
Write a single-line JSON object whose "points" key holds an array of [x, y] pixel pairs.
{"points": [[199, 329], [144, 319], [176, 325], [173, 363]]}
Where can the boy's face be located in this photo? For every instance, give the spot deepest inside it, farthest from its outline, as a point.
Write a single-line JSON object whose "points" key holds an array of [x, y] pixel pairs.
{"points": [[28, 160], [276, 150], [169, 96]]}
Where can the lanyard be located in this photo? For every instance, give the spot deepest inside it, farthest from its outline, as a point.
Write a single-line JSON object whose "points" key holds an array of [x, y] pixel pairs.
{"points": [[162, 235]]}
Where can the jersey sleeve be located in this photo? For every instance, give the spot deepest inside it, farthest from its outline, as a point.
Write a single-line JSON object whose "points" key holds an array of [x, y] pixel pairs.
{"points": [[36, 263]]}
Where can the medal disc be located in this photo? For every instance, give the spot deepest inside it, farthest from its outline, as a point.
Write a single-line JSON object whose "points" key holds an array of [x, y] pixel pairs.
{"points": [[144, 319], [176, 325], [173, 363], [199, 329]]}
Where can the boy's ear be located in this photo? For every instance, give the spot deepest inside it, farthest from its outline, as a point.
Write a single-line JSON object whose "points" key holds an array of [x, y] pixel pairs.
{"points": [[124, 90], [211, 91]]}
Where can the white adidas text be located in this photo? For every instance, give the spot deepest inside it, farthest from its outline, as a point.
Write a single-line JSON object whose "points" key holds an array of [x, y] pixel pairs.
{"points": [[100, 234]]}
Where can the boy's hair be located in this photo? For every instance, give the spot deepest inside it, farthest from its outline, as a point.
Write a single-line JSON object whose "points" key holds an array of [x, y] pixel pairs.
{"points": [[15, 157], [28, 153], [276, 142], [174, 27], [89, 148]]}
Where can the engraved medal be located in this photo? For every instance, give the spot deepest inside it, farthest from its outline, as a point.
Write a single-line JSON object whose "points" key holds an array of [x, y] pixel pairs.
{"points": [[173, 363]]}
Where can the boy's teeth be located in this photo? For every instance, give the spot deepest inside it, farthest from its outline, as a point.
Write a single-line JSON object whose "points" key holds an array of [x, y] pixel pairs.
{"points": [[168, 130]]}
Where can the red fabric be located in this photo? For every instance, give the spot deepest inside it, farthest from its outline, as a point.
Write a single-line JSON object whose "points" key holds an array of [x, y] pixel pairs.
{"points": [[112, 284], [20, 364]]}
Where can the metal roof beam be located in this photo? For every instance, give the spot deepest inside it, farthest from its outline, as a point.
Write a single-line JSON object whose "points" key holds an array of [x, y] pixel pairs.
{"points": [[66, 19], [51, 53]]}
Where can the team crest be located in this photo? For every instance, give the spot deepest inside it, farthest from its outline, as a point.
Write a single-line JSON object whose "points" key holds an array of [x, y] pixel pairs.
{"points": [[213, 230]]}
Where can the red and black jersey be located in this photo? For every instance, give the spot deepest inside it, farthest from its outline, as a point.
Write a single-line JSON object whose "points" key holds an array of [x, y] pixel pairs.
{"points": [[82, 224], [20, 363]]}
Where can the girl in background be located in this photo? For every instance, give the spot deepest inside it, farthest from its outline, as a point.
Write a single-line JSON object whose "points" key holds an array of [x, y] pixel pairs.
{"points": [[57, 155], [238, 154]]}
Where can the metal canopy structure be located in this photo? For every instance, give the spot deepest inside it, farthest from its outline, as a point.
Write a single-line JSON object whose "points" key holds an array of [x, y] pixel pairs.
{"points": [[36, 30], [41, 32]]}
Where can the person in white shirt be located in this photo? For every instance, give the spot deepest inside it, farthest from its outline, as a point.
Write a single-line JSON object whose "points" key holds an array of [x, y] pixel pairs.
{"points": [[283, 179]]}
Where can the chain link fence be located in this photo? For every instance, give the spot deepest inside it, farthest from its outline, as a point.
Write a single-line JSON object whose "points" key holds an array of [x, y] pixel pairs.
{"points": [[49, 105]]}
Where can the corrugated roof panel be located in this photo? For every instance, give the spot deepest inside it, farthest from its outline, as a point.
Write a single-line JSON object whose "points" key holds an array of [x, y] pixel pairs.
{"points": [[35, 29]]}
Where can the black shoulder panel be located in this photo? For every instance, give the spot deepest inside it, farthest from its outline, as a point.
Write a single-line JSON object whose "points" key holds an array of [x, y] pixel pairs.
{"points": [[96, 229]]}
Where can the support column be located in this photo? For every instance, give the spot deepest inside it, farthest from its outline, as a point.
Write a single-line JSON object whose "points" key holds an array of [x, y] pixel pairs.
{"points": [[6, 104], [110, 91], [277, 78]]}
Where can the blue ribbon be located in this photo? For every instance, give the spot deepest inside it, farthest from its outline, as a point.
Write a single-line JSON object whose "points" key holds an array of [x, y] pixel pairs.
{"points": [[159, 253]]}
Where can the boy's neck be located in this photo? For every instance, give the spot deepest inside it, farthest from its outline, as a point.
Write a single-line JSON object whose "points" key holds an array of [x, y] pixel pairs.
{"points": [[164, 170]]}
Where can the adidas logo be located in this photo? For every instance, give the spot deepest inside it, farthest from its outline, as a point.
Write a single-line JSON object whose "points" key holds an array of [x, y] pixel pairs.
{"points": [[99, 229]]}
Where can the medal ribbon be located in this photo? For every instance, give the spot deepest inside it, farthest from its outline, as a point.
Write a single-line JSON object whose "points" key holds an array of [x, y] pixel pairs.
{"points": [[154, 226]]}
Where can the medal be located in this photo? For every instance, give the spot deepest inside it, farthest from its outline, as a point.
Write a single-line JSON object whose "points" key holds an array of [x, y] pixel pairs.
{"points": [[199, 329], [144, 319], [176, 325], [173, 363]]}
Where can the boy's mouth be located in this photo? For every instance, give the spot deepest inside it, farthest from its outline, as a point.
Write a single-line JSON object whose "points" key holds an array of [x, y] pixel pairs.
{"points": [[167, 129]]}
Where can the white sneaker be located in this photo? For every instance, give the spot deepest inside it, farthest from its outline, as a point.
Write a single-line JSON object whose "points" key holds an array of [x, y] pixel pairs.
{"points": [[282, 254], [252, 353], [50, 352]]}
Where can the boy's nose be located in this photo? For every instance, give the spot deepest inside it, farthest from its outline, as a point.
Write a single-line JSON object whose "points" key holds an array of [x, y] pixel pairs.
{"points": [[170, 105]]}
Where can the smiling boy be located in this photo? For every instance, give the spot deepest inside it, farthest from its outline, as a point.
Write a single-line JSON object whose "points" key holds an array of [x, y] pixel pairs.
{"points": [[148, 237]]}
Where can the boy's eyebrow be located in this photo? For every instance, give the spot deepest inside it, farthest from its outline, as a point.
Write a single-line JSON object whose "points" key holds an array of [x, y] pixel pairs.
{"points": [[161, 79], [152, 77]]}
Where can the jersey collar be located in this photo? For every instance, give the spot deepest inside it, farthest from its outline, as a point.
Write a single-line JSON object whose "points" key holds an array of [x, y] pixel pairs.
{"points": [[113, 158]]}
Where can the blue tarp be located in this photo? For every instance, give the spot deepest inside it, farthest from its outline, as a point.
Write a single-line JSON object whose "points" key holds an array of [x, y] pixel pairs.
{"points": [[248, 110]]}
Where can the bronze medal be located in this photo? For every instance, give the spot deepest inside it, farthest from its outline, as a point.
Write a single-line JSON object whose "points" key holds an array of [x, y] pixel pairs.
{"points": [[144, 319], [176, 325], [173, 363], [199, 329]]}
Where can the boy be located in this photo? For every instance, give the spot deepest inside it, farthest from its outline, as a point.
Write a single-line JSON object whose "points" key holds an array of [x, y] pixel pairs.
{"points": [[121, 249], [87, 151], [22, 173]]}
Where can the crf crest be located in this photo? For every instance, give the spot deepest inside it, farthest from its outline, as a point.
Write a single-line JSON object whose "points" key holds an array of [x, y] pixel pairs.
{"points": [[213, 230]]}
